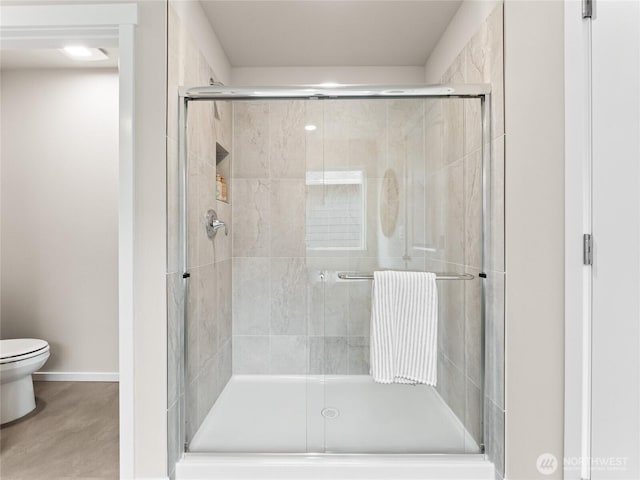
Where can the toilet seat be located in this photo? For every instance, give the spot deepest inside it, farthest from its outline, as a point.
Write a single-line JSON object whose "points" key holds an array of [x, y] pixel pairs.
{"points": [[18, 349]]}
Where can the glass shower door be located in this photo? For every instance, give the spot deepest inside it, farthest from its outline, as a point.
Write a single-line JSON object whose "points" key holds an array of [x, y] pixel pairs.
{"points": [[320, 188], [395, 191]]}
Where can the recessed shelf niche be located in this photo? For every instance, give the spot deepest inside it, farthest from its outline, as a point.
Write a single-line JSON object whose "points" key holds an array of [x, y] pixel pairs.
{"points": [[223, 167]]}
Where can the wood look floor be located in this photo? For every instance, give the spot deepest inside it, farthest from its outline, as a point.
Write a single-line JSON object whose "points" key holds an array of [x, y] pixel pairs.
{"points": [[72, 433]]}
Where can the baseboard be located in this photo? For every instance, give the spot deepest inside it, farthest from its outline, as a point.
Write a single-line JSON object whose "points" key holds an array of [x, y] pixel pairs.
{"points": [[76, 376]]}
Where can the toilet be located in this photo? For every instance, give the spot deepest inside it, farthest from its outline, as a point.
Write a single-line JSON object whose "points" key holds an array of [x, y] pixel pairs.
{"points": [[19, 358]]}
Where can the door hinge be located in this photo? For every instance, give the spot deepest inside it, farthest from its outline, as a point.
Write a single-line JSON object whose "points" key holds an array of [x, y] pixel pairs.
{"points": [[587, 8], [587, 249]]}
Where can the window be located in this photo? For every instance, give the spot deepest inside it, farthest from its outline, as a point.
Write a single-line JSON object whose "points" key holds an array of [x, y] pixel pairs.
{"points": [[336, 210]]}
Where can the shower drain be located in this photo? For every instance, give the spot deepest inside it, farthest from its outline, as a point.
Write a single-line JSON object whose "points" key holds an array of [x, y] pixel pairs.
{"points": [[330, 412]]}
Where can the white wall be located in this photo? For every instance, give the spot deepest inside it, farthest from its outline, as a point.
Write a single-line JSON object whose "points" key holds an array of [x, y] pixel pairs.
{"points": [[462, 27], [534, 228], [59, 155], [270, 76]]}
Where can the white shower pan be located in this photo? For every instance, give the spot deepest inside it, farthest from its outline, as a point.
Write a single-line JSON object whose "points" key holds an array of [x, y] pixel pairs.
{"points": [[362, 430]]}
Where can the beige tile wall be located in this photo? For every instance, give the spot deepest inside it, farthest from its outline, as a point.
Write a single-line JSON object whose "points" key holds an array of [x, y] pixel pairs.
{"points": [[286, 319], [209, 302], [454, 141]]}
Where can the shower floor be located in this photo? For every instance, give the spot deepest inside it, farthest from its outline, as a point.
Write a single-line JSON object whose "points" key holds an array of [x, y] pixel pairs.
{"points": [[330, 414]]}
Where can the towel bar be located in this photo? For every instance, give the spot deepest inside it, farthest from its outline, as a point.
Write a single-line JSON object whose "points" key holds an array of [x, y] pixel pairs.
{"points": [[369, 276]]}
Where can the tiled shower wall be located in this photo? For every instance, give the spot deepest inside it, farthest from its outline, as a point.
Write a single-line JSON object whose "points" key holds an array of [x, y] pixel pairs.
{"points": [[278, 321], [208, 320], [456, 161], [291, 313]]}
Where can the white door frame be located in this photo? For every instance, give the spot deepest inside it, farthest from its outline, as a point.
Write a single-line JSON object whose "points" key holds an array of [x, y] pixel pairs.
{"points": [[578, 165], [53, 26]]}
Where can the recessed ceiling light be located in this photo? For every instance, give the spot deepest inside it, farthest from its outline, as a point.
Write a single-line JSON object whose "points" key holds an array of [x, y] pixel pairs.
{"points": [[310, 128], [78, 52]]}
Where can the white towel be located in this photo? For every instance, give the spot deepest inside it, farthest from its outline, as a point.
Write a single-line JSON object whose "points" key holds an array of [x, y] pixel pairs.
{"points": [[404, 327]]}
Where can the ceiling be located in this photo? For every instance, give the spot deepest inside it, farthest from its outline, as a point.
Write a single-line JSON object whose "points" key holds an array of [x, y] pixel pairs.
{"points": [[18, 59], [267, 33]]}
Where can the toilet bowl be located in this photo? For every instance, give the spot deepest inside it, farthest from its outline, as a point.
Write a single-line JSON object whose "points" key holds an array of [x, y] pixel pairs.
{"points": [[19, 358]]}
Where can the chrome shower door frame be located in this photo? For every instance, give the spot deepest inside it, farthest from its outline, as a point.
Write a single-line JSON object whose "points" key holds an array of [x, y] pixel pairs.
{"points": [[216, 92]]}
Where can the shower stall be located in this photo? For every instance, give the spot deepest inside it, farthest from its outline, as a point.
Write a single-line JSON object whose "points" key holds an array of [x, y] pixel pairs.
{"points": [[289, 199]]}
